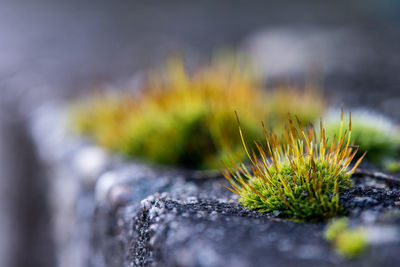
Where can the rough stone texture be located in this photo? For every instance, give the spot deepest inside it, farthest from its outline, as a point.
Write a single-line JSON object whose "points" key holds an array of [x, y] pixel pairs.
{"points": [[168, 230], [202, 232]]}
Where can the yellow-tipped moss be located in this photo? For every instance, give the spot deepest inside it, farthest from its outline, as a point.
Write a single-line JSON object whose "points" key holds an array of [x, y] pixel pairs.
{"points": [[374, 133], [181, 118], [298, 175]]}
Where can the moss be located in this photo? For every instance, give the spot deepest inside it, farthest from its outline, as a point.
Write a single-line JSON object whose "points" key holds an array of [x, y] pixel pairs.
{"points": [[392, 165], [299, 176], [186, 119], [335, 227], [373, 133], [348, 242], [351, 243]]}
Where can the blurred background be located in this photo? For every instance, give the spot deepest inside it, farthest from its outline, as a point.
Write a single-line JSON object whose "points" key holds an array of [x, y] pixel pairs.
{"points": [[56, 50]]}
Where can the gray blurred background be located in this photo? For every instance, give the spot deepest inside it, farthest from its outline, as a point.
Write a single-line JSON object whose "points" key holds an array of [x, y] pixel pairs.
{"points": [[58, 49]]}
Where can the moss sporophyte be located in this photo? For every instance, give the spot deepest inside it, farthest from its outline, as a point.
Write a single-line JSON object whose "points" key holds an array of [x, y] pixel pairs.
{"points": [[373, 132], [299, 175]]}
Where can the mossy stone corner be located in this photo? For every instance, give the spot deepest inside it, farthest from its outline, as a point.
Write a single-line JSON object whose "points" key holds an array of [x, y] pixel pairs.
{"points": [[298, 176]]}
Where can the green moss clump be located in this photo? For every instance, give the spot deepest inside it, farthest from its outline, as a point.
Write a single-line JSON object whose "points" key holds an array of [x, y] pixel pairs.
{"points": [[392, 165], [335, 227], [373, 133], [186, 119], [348, 242], [299, 176]]}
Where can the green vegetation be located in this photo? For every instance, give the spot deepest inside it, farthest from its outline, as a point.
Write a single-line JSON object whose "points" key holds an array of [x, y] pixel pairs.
{"points": [[335, 227], [299, 175], [186, 119], [373, 133], [348, 242], [392, 165]]}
